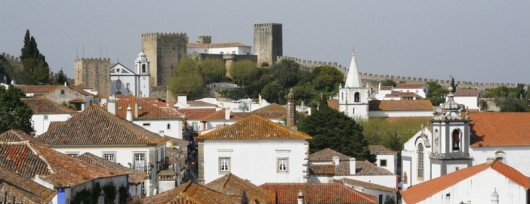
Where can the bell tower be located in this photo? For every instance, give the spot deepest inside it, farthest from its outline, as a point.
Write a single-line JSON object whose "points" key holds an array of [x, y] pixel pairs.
{"points": [[353, 98], [450, 137], [143, 78]]}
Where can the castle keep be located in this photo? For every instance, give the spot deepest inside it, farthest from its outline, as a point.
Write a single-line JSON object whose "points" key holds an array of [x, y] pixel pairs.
{"points": [[93, 73], [268, 44], [164, 50]]}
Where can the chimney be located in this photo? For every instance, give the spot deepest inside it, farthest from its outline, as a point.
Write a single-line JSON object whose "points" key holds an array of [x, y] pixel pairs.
{"points": [[227, 114], [336, 160], [129, 114], [300, 199], [352, 166], [379, 87], [182, 99], [291, 109], [111, 105], [65, 84], [135, 112]]}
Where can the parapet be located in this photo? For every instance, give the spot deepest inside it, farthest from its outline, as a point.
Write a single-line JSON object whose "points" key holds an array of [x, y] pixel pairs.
{"points": [[104, 59], [158, 34], [10, 57], [267, 24]]}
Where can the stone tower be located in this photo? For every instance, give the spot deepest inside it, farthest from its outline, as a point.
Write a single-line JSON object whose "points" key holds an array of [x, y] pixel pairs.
{"points": [[93, 73], [268, 43], [291, 109], [450, 138], [164, 50], [353, 97]]}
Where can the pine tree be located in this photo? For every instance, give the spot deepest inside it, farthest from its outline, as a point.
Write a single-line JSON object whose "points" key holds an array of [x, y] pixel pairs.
{"points": [[34, 63]]}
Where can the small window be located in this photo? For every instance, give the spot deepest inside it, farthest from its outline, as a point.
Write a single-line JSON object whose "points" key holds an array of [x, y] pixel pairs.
{"points": [[143, 68], [357, 97], [168, 126], [283, 164], [146, 124], [382, 162], [110, 157], [72, 154], [224, 164], [62, 91], [45, 117]]}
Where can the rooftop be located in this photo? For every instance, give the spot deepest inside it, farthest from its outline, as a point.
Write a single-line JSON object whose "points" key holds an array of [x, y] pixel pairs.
{"points": [[146, 108], [400, 105], [380, 149], [287, 193], [230, 184], [467, 92], [43, 105], [498, 129], [367, 185], [135, 176], [192, 193], [24, 190]]}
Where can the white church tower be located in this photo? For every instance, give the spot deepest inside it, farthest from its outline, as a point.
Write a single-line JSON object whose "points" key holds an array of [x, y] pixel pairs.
{"points": [[128, 81], [353, 97], [143, 79], [450, 138]]}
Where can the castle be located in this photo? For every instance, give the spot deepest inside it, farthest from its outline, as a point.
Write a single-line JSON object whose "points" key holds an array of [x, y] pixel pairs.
{"points": [[268, 43], [93, 73]]}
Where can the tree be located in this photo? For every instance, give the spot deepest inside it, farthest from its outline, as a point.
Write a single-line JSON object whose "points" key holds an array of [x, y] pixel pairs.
{"points": [[273, 92], [34, 63], [436, 93], [332, 129], [327, 78], [212, 70], [187, 79], [61, 77], [243, 72], [14, 114], [286, 72], [388, 82]]}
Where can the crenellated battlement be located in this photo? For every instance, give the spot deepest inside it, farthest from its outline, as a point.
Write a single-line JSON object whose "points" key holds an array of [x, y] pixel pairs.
{"points": [[267, 24], [165, 34], [95, 59], [10, 57], [309, 65]]}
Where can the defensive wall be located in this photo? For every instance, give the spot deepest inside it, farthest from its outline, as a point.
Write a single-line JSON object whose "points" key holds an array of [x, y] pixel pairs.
{"points": [[10, 58]]}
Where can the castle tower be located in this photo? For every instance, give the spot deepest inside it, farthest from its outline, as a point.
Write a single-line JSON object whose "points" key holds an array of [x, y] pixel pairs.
{"points": [[205, 39], [291, 109], [268, 44], [353, 97], [143, 78], [451, 138], [164, 50], [93, 73]]}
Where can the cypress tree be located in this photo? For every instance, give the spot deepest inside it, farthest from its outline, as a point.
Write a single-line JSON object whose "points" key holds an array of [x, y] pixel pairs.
{"points": [[34, 63]]}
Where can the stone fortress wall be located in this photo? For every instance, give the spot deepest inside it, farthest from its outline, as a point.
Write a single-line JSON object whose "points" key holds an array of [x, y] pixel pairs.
{"points": [[10, 58], [93, 73], [268, 42]]}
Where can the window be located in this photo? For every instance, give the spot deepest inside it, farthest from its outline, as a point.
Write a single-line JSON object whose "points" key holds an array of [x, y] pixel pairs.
{"points": [[224, 164], [357, 97], [128, 86], [62, 91], [146, 124], [143, 68], [456, 139], [382, 162], [168, 126], [139, 162], [353, 111], [500, 156], [283, 164], [420, 162], [45, 117], [109, 157]]}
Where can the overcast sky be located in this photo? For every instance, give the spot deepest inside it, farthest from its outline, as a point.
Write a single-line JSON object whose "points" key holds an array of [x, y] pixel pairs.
{"points": [[472, 40]]}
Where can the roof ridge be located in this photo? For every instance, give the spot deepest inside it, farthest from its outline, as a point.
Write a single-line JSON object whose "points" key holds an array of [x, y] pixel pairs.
{"points": [[39, 154]]}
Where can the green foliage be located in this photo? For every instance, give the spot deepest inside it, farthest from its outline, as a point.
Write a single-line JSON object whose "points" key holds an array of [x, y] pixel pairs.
{"points": [[96, 191], [14, 114], [124, 194], [273, 92], [34, 63], [286, 73], [512, 104], [243, 72], [110, 192], [389, 200], [388, 82], [332, 129], [436, 93], [83, 196], [212, 70], [392, 132], [510, 99], [327, 78], [187, 79]]}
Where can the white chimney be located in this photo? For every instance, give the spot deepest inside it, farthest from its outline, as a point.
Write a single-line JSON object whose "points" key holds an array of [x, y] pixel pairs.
{"points": [[111, 105], [352, 166], [129, 113], [227, 114], [65, 84], [336, 160], [300, 199], [379, 87], [182, 99]]}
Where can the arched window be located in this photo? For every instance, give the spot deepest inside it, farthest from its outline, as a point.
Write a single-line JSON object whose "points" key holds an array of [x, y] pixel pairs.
{"points": [[357, 97], [500, 156], [342, 96], [143, 68], [456, 139], [420, 162]]}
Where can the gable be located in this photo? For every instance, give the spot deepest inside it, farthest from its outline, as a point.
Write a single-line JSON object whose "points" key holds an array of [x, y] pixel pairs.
{"points": [[120, 70]]}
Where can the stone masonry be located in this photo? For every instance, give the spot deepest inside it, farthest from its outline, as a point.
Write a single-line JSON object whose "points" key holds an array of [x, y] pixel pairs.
{"points": [[93, 73], [268, 43]]}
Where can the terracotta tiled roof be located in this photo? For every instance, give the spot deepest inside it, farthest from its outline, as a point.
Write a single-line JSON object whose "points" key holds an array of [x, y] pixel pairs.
{"points": [[215, 45], [410, 86], [500, 129], [24, 190], [38, 89], [323, 169], [467, 92], [220, 115], [380, 149], [426, 189], [254, 127], [327, 155], [196, 113], [333, 104], [43, 105], [30, 159], [365, 168], [135, 176], [96, 126], [287, 193], [367, 185], [192, 193], [147, 109], [230, 184], [15, 136], [272, 111], [400, 105], [403, 94], [80, 90], [387, 87]]}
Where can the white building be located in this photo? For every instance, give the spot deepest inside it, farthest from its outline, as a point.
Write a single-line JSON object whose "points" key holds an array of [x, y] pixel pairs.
{"points": [[219, 48], [45, 112], [60, 94], [255, 149], [385, 158], [101, 133], [126, 81], [421, 89], [353, 97], [400, 108], [485, 183], [468, 98]]}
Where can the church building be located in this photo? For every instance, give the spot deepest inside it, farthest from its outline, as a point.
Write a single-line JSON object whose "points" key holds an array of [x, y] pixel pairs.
{"points": [[353, 98], [137, 82]]}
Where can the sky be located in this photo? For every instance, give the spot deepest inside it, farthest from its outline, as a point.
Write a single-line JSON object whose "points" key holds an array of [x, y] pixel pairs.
{"points": [[471, 40]]}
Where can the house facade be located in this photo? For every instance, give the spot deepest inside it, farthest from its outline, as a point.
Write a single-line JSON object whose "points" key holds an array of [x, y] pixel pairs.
{"points": [[136, 82], [45, 112], [59, 94]]}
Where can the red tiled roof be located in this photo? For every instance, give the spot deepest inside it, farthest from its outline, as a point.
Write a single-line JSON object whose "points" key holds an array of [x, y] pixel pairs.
{"points": [[467, 92], [272, 111], [380, 149], [135, 176], [215, 45], [38, 89], [43, 105], [192, 193], [403, 94], [333, 104], [95, 126], [230, 184], [30, 159], [387, 87], [327, 155], [410, 86], [254, 127], [363, 184], [147, 109], [500, 129], [80, 90], [24, 190], [400, 105], [323, 169], [426, 189], [196, 113], [220, 115], [287, 193]]}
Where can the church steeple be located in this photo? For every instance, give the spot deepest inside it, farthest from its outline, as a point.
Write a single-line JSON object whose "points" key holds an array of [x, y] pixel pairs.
{"points": [[142, 64], [353, 79], [353, 97]]}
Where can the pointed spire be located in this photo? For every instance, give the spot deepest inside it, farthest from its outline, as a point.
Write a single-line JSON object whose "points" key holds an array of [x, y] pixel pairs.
{"points": [[353, 79]]}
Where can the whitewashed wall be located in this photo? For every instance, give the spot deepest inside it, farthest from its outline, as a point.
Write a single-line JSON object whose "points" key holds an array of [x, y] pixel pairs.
{"points": [[470, 102], [40, 125], [155, 126], [391, 114], [390, 162], [516, 157], [383, 180], [256, 160]]}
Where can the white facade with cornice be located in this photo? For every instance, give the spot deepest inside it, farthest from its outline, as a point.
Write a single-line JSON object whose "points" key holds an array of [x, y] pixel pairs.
{"points": [[126, 81]]}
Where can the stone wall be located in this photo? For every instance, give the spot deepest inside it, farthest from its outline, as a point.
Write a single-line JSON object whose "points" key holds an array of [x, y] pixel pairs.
{"points": [[93, 73], [268, 42]]}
